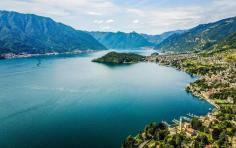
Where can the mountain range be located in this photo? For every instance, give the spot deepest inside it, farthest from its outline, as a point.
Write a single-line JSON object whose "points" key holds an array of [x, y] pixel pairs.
{"points": [[201, 37], [35, 34], [121, 40], [29, 33], [157, 39]]}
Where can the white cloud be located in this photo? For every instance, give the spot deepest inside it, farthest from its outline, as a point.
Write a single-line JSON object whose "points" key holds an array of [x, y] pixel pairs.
{"points": [[136, 11], [146, 16], [105, 27], [135, 21], [94, 13], [110, 21], [98, 21]]}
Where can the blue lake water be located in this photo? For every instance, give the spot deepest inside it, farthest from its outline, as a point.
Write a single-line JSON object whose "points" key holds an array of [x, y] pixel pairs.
{"points": [[69, 101]]}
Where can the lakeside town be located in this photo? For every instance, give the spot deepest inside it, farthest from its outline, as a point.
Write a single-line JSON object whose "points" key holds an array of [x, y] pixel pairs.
{"points": [[216, 84], [27, 55]]}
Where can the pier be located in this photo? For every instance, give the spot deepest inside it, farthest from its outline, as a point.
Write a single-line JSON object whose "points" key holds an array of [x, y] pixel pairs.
{"points": [[175, 121], [164, 122], [192, 115]]}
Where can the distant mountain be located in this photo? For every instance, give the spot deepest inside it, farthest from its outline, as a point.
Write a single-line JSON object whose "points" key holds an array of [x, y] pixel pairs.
{"points": [[121, 40], [200, 37], [35, 34], [157, 39]]}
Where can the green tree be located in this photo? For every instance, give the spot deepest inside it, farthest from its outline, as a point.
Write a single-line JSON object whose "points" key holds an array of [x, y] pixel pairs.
{"points": [[129, 142], [215, 133], [196, 124]]}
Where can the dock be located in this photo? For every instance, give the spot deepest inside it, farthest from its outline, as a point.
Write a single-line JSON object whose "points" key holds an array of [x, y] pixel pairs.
{"points": [[168, 125], [187, 119], [192, 115], [175, 121]]}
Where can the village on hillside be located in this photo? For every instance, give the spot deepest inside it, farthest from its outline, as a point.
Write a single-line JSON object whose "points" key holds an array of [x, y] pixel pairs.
{"points": [[216, 84]]}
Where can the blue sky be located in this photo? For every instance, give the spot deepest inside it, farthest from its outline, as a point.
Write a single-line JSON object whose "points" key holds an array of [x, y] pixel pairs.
{"points": [[143, 16]]}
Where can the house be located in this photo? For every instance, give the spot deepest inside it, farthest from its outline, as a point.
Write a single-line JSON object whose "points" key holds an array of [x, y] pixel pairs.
{"points": [[190, 132], [208, 146]]}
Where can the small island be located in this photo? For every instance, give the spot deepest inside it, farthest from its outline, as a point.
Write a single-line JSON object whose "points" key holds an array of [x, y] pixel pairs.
{"points": [[120, 58]]}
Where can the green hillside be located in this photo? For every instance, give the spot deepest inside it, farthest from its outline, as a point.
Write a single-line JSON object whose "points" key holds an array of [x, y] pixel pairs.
{"points": [[201, 37], [35, 34]]}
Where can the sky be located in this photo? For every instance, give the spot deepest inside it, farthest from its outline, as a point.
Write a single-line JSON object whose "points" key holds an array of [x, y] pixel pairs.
{"points": [[143, 16]]}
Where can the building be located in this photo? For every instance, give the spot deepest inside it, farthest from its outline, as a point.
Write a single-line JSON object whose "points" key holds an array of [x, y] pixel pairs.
{"points": [[190, 132]]}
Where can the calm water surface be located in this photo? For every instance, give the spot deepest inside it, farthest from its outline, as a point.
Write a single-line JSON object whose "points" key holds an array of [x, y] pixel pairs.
{"points": [[68, 101]]}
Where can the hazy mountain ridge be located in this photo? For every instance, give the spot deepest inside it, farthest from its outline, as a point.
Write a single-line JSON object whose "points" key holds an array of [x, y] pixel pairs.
{"points": [[121, 40], [33, 34], [36, 34], [200, 37], [157, 39]]}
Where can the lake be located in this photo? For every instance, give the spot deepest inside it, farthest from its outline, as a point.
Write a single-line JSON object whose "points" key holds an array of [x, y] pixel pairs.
{"points": [[69, 101]]}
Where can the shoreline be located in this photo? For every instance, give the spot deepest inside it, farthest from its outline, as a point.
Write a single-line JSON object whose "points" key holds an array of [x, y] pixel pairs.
{"points": [[200, 97], [198, 77], [213, 78], [206, 99], [26, 55]]}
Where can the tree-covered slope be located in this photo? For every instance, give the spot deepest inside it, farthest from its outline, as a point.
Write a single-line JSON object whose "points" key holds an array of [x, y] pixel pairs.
{"points": [[227, 43], [121, 40], [35, 34], [120, 58], [200, 37], [226, 48]]}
